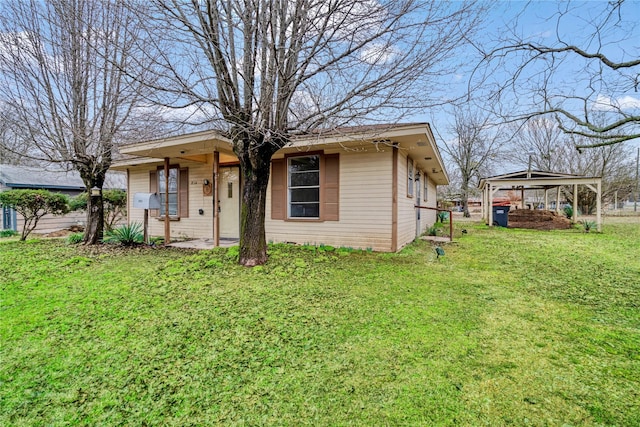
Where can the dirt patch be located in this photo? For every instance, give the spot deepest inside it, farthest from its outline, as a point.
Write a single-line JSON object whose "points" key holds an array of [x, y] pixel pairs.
{"points": [[59, 233], [538, 220], [62, 233]]}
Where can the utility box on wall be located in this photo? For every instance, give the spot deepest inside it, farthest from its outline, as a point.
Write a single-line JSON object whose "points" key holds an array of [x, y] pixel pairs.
{"points": [[146, 201]]}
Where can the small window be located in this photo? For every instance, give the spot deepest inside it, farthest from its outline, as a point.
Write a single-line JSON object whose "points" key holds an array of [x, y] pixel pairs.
{"points": [[173, 191], [425, 180], [304, 186], [409, 177], [178, 191]]}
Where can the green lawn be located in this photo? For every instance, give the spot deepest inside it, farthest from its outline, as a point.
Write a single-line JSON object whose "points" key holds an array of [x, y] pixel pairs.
{"points": [[511, 327]]}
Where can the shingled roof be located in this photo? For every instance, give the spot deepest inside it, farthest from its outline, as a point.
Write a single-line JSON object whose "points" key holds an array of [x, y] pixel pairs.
{"points": [[53, 179]]}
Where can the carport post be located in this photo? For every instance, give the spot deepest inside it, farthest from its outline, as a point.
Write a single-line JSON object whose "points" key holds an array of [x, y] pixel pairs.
{"points": [[575, 203], [490, 205], [599, 205]]}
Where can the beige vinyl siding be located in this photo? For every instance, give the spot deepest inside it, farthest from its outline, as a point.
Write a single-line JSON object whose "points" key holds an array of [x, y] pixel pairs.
{"points": [[365, 207], [196, 225], [407, 223], [406, 205], [430, 215]]}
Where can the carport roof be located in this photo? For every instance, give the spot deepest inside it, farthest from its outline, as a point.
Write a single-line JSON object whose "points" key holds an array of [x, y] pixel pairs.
{"points": [[537, 179]]}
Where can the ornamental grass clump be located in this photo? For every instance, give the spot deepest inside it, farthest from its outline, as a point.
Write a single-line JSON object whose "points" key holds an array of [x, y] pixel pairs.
{"points": [[125, 235]]}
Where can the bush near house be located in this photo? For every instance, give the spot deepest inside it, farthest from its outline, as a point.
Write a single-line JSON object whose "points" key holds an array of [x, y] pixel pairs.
{"points": [[33, 205], [115, 206]]}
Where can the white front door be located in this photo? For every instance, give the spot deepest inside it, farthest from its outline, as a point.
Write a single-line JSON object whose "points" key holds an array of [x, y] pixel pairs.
{"points": [[229, 193]]}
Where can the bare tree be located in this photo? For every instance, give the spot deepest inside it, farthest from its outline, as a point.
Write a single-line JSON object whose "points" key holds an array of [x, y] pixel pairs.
{"points": [[542, 143], [612, 162], [12, 146], [475, 145], [270, 68], [65, 72], [589, 68]]}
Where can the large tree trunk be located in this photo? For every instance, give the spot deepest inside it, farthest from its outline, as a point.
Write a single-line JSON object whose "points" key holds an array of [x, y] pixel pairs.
{"points": [[95, 220], [254, 154], [253, 244], [93, 176]]}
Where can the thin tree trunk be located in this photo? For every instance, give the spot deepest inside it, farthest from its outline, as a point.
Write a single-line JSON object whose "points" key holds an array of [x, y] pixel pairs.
{"points": [[465, 200]]}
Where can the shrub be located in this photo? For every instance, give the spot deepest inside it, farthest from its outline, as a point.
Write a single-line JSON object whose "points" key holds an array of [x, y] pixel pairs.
{"points": [[114, 201], [126, 235], [589, 225], [443, 216], [8, 233], [75, 238], [568, 211], [33, 205]]}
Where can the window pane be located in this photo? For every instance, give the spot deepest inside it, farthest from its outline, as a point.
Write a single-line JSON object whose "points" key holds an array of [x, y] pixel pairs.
{"points": [[173, 180], [305, 179], [304, 187], [173, 191], [308, 163], [305, 195], [305, 210]]}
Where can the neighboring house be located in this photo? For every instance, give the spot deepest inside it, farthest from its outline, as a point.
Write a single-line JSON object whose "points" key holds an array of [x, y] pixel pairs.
{"points": [[58, 181], [354, 187]]}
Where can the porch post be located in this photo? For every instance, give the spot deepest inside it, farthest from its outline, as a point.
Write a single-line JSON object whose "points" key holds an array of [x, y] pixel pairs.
{"points": [[216, 198], [167, 226], [546, 199], [558, 199]]}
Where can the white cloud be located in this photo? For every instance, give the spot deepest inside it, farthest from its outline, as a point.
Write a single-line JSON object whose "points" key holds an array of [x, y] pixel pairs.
{"points": [[627, 102], [377, 53]]}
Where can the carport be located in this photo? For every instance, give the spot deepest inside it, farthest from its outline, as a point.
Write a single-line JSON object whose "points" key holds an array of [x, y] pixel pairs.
{"points": [[539, 180]]}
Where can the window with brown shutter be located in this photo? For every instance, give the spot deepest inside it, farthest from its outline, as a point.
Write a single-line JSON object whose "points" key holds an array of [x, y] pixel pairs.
{"points": [[331, 188], [305, 187], [178, 191], [153, 188], [278, 189]]}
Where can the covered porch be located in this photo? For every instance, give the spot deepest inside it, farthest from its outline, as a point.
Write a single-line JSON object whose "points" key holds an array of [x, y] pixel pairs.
{"points": [[209, 155]]}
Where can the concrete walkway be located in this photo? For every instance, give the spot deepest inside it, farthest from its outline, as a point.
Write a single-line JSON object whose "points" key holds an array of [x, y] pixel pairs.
{"points": [[437, 239], [203, 243]]}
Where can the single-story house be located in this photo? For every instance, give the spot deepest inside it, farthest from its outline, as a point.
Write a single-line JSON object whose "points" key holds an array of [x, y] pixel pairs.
{"points": [[361, 187], [51, 179]]}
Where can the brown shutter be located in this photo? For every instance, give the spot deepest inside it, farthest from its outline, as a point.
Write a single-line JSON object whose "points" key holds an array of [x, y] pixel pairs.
{"points": [[278, 189], [153, 188], [183, 193], [331, 188]]}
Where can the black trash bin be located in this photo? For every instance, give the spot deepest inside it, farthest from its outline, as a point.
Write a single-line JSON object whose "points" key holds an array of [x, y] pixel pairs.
{"points": [[501, 215]]}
